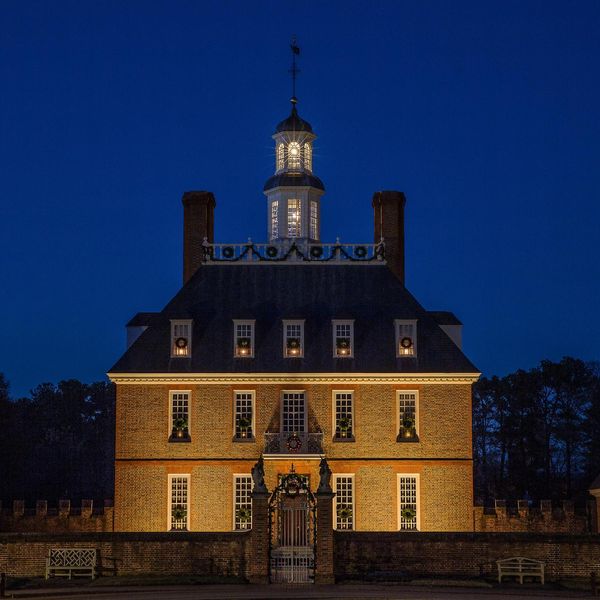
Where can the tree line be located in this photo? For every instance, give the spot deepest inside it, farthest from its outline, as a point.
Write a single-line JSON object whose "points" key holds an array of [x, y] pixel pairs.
{"points": [[536, 435]]}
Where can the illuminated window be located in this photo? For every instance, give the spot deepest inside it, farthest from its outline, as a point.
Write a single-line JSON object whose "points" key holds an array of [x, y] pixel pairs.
{"points": [[243, 339], [294, 155], [406, 337], [314, 220], [293, 412], [407, 416], [242, 502], [343, 426], [280, 157], [178, 502], [244, 415], [307, 157], [344, 501], [294, 217], [181, 338], [408, 501], [343, 342], [180, 416], [274, 220], [293, 339]]}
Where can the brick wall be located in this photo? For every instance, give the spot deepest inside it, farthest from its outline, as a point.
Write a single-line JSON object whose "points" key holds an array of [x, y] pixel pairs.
{"points": [[460, 554], [134, 554]]}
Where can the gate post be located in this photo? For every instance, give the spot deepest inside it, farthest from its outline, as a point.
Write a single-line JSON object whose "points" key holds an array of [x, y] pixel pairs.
{"points": [[259, 535], [324, 572]]}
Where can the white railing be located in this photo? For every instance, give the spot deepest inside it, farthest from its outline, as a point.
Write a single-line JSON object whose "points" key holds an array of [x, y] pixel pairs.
{"points": [[293, 251], [300, 442]]}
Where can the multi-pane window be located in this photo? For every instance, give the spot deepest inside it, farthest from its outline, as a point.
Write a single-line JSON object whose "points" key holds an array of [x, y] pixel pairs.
{"points": [[243, 339], [314, 220], [307, 156], [293, 413], [242, 502], [280, 157], [406, 337], [343, 334], [294, 155], [178, 502], [407, 415], [181, 338], [293, 339], [294, 218], [180, 415], [244, 415], [344, 421], [274, 220], [344, 501], [408, 501]]}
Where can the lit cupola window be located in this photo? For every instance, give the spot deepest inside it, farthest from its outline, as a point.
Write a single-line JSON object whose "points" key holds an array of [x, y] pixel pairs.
{"points": [[294, 155], [307, 157], [280, 157]]}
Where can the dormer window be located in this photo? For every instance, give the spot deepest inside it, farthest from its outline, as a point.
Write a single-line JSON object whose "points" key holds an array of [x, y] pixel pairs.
{"points": [[181, 338], [294, 155], [293, 339], [243, 339], [343, 339], [406, 337]]}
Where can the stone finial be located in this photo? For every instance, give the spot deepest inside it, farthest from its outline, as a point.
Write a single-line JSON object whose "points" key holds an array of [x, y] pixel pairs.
{"points": [[18, 508], [64, 507], [86, 508], [325, 477], [258, 477], [41, 508]]}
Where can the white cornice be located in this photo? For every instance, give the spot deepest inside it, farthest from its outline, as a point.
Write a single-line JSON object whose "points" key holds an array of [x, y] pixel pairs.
{"points": [[333, 378]]}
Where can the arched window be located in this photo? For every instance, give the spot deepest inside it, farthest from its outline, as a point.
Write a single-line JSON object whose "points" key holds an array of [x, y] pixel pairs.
{"points": [[294, 155], [280, 157], [308, 156]]}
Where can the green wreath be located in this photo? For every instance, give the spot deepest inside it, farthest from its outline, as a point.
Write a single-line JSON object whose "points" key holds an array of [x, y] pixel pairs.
{"points": [[360, 251], [228, 252], [272, 251], [408, 513]]}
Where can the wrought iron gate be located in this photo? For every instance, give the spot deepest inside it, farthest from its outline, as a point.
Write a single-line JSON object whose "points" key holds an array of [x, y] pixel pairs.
{"points": [[292, 537]]}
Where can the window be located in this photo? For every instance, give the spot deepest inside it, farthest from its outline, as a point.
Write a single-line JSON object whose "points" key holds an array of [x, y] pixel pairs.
{"points": [[181, 338], [293, 412], [178, 502], [243, 339], [294, 218], [406, 338], [408, 502], [307, 156], [280, 157], [343, 425], [274, 220], [244, 415], [294, 155], [180, 416], [344, 501], [407, 416], [293, 339], [343, 334], [314, 220], [242, 502]]}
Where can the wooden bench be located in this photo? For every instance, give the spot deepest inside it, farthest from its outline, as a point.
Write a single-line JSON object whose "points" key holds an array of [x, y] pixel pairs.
{"points": [[71, 562], [520, 567]]}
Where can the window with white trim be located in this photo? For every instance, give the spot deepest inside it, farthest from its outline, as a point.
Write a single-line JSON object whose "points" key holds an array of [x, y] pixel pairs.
{"points": [[343, 517], [243, 339], [280, 156], [307, 156], [294, 218], [293, 412], [408, 404], [274, 219], [180, 416], [242, 502], [408, 501], [293, 339], [178, 502], [343, 411], [314, 220], [294, 155], [181, 337], [343, 338], [406, 337], [244, 415]]}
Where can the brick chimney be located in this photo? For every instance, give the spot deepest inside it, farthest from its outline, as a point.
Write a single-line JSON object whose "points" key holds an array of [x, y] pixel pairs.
{"points": [[389, 225], [198, 223]]}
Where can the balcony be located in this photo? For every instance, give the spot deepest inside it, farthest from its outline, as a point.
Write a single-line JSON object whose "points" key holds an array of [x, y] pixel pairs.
{"points": [[300, 443]]}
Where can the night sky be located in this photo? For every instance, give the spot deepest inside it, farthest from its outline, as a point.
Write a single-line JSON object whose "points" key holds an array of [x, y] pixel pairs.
{"points": [[486, 114]]}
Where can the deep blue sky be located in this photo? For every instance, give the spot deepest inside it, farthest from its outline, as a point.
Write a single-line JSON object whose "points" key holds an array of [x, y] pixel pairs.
{"points": [[486, 114]]}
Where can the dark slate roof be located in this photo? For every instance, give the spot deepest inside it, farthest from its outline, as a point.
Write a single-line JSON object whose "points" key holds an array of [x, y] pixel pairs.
{"points": [[595, 485], [142, 319], [294, 123], [369, 294], [293, 178], [444, 317]]}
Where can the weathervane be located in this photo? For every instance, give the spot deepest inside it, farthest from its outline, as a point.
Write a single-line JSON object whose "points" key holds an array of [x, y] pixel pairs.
{"points": [[294, 70]]}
